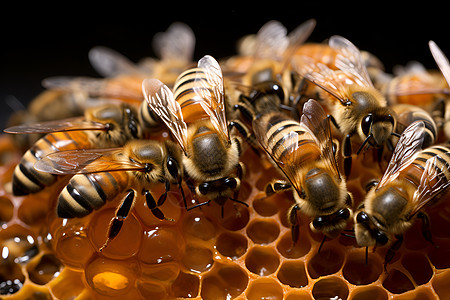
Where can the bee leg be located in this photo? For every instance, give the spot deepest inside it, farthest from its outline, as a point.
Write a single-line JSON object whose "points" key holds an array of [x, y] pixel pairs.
{"points": [[174, 170], [426, 232], [163, 197], [390, 254], [121, 214], [276, 186], [246, 134], [153, 206], [347, 152], [292, 218]]}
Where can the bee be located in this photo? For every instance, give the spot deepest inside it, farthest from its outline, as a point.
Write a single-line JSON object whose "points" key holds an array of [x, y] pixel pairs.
{"points": [[102, 174], [103, 126], [412, 180], [175, 48], [304, 154], [356, 106], [211, 155]]}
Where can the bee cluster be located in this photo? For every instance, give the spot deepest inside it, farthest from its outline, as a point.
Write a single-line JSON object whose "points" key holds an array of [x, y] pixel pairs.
{"points": [[291, 170]]}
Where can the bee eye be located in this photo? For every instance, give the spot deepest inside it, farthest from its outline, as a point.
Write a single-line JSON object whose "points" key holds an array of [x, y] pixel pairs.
{"points": [[344, 213], [390, 119], [362, 217], [366, 123], [172, 167], [231, 183], [381, 238], [203, 188], [318, 222]]}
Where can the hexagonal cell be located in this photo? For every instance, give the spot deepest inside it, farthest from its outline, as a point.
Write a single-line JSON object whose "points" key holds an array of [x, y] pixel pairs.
{"points": [[418, 267], [44, 269], [298, 295], [440, 284], [419, 293], [198, 225], [369, 292], [151, 290], [262, 261], [262, 231], [293, 273], [265, 206], [224, 282], [160, 272], [264, 288], [186, 286], [197, 259], [231, 244], [396, 282], [6, 209], [328, 261], [288, 249], [11, 277], [237, 218], [330, 288], [18, 244], [358, 272]]}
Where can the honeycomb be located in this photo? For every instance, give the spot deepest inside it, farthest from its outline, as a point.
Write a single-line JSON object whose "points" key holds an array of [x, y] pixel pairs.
{"points": [[198, 254]]}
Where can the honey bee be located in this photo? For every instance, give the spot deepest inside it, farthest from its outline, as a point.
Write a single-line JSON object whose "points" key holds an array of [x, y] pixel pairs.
{"points": [[412, 180], [211, 156], [102, 174], [356, 106], [304, 154], [103, 126]]}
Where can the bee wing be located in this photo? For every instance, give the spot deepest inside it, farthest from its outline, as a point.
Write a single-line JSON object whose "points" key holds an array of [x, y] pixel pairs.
{"points": [[160, 99], [297, 37], [288, 146], [349, 60], [85, 161], [89, 85], [71, 124], [316, 121], [213, 104], [177, 43], [432, 182], [405, 152], [320, 75], [271, 40], [110, 63], [441, 60]]}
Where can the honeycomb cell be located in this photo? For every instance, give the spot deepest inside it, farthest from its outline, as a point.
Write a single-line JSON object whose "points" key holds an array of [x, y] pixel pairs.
{"points": [[330, 288], [328, 261], [418, 267], [34, 209], [262, 261], [197, 259], [171, 208], [418, 293], [224, 282], [167, 272], [440, 284], [237, 217], [59, 284], [370, 292], [111, 277], [6, 209], [18, 244], [198, 225], [265, 206], [151, 290], [396, 282], [263, 232], [293, 273], [160, 245], [264, 288], [288, 249], [125, 244], [44, 268], [440, 254], [186, 286], [358, 272], [298, 295], [11, 277], [231, 244]]}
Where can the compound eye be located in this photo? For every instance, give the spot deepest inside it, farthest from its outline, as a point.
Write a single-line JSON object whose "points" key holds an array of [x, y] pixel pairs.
{"points": [[231, 183], [278, 90], [172, 167], [203, 188], [381, 238], [390, 119], [362, 217], [344, 213], [366, 124], [318, 222]]}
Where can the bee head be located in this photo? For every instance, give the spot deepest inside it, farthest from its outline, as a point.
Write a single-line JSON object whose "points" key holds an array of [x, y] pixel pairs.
{"points": [[367, 233], [377, 125]]}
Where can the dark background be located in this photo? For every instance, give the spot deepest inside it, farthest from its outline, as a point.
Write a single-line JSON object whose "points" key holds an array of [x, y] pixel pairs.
{"points": [[39, 42]]}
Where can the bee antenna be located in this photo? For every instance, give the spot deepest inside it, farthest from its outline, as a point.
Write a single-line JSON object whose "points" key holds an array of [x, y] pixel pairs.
{"points": [[321, 244], [363, 144], [367, 254], [348, 235], [396, 134]]}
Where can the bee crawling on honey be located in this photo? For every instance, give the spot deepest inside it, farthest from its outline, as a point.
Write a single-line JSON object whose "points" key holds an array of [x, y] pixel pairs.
{"points": [[102, 174], [195, 115], [413, 180], [304, 154]]}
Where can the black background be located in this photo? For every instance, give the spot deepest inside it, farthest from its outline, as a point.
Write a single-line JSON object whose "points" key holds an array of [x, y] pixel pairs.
{"points": [[38, 42]]}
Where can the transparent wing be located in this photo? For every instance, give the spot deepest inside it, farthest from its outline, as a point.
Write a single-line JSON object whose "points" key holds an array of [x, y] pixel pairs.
{"points": [[86, 161], [213, 103], [405, 152], [296, 38], [349, 60], [177, 43], [160, 99], [89, 85], [432, 182], [72, 124], [110, 63], [271, 41], [316, 121], [441, 60]]}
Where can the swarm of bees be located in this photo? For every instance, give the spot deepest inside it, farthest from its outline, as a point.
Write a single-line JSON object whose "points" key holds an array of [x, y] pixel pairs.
{"points": [[310, 109]]}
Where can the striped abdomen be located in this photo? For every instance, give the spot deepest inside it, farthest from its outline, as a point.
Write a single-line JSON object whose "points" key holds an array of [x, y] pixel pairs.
{"points": [[288, 140], [86, 192], [26, 179]]}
